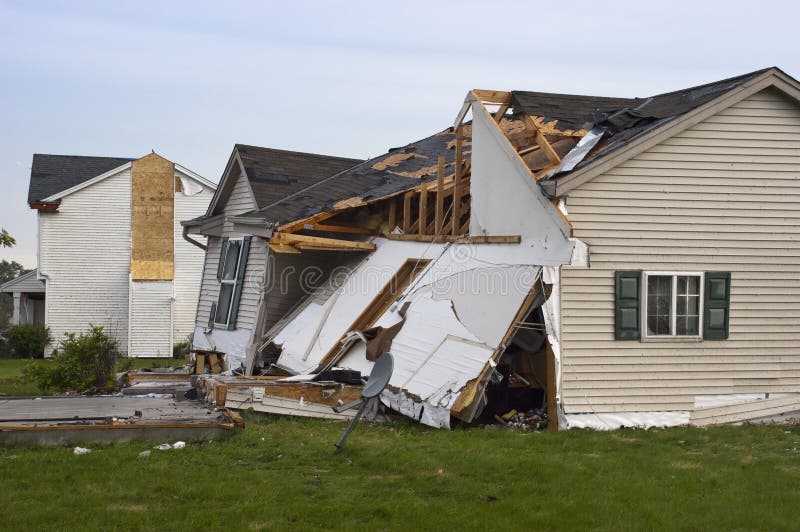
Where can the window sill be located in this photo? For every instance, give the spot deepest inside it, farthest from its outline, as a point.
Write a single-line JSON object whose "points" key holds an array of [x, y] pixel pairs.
{"points": [[672, 339]]}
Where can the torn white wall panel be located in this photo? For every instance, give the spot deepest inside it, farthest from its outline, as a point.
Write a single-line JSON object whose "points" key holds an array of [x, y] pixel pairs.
{"points": [[448, 262], [232, 343], [497, 167], [551, 310]]}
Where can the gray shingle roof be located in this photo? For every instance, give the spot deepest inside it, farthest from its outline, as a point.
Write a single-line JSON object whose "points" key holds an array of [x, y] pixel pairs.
{"points": [[51, 174], [623, 118], [275, 174]]}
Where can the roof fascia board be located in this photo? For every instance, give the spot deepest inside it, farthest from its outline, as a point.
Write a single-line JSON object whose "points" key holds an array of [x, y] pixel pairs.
{"points": [[220, 190], [87, 183], [197, 177], [692, 118], [13, 282]]}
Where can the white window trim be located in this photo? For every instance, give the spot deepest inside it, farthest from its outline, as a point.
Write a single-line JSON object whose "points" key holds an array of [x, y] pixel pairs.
{"points": [[229, 281], [672, 314]]}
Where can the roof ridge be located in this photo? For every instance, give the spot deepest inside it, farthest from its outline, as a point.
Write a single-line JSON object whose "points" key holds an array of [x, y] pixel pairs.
{"points": [[280, 150]]}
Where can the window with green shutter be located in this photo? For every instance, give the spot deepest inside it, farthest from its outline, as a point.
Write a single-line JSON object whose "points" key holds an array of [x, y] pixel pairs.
{"points": [[667, 305]]}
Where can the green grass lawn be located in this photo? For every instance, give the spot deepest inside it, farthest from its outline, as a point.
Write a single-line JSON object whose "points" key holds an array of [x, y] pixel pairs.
{"points": [[12, 384], [282, 473]]}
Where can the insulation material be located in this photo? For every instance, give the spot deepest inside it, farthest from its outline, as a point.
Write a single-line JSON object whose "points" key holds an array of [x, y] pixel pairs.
{"points": [[152, 207], [189, 187], [613, 421], [150, 319]]}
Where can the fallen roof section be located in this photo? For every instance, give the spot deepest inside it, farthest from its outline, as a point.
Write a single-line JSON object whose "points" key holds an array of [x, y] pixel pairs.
{"points": [[64, 420]]}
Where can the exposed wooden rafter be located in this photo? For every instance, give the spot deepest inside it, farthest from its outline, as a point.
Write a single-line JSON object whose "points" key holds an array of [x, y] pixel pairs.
{"points": [[318, 243]]}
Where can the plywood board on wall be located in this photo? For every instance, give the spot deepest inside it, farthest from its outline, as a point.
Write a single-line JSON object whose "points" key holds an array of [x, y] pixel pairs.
{"points": [[152, 207]]}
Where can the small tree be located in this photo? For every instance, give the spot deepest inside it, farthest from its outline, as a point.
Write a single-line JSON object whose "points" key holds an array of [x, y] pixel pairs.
{"points": [[6, 240], [28, 341], [83, 363]]}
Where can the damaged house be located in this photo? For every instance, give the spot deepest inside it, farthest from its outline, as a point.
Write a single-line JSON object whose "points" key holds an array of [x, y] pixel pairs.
{"points": [[619, 261], [111, 251]]}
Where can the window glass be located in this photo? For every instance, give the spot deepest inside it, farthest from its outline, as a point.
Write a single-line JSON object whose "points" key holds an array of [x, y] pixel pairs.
{"points": [[687, 312], [659, 303], [231, 259], [224, 302]]}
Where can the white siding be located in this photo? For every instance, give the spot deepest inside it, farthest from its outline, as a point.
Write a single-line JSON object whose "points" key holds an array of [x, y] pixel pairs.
{"points": [[85, 255], [188, 263], [240, 201], [725, 196], [151, 319]]}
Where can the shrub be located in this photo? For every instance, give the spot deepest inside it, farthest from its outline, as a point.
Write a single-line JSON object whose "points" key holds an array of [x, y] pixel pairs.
{"points": [[83, 363], [28, 341], [179, 349]]}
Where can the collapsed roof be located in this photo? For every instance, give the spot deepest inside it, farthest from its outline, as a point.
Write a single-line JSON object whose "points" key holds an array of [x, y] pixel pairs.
{"points": [[396, 171]]}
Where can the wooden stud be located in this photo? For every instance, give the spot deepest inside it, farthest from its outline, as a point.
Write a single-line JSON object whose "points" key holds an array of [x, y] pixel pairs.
{"points": [[283, 248], [423, 210], [439, 213], [456, 183], [407, 211], [548, 150], [550, 390], [501, 112], [392, 214], [199, 364]]}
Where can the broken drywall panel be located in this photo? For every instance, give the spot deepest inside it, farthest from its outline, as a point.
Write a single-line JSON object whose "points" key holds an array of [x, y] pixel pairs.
{"points": [[232, 343], [502, 187], [485, 299], [612, 421], [580, 254], [448, 262]]}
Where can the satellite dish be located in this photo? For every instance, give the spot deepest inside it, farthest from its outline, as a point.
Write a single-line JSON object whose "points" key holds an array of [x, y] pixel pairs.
{"points": [[378, 379]]}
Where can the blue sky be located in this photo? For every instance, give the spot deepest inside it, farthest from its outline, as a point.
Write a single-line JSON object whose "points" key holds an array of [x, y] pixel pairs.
{"points": [[190, 79]]}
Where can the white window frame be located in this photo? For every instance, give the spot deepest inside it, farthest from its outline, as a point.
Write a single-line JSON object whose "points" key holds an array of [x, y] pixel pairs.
{"points": [[223, 281], [672, 313]]}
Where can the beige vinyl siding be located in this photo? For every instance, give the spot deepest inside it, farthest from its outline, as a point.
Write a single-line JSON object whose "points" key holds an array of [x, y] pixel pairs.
{"points": [[240, 201], [84, 253], [721, 196], [189, 261]]}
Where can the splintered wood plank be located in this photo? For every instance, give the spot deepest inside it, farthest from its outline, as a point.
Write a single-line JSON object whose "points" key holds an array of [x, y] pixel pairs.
{"points": [[490, 96], [548, 150], [338, 229], [292, 239], [283, 248]]}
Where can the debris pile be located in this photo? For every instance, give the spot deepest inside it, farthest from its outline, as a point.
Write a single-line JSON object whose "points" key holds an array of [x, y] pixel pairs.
{"points": [[534, 419]]}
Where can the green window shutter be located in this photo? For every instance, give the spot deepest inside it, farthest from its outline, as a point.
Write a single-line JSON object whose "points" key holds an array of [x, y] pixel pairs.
{"points": [[237, 292], [716, 309], [212, 314], [627, 314], [221, 264]]}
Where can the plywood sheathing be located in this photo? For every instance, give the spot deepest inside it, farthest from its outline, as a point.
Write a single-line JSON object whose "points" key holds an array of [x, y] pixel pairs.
{"points": [[152, 223]]}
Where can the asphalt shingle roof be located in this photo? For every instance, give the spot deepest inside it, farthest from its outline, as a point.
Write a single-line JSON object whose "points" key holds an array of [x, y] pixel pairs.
{"points": [[51, 174]]}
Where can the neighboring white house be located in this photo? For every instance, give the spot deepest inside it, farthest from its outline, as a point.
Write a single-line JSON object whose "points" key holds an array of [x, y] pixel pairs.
{"points": [[28, 293], [111, 248]]}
